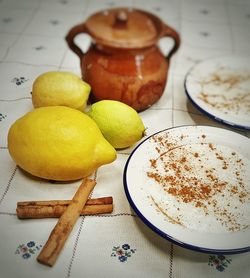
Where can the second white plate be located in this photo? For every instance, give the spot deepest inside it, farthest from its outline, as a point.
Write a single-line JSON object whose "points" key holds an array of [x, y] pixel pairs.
{"points": [[220, 88]]}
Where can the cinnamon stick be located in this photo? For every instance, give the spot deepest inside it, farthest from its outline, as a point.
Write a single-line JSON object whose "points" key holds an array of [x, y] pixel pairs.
{"points": [[96, 201], [65, 224], [55, 211]]}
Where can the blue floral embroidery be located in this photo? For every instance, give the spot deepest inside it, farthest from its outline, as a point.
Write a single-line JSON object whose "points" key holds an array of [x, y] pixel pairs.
{"points": [[122, 252], [205, 11], [122, 258], [31, 244], [63, 2], [157, 9], [40, 47], [2, 117], [110, 4], [19, 80], [220, 262], [54, 22], [7, 20], [26, 255], [26, 250], [125, 246], [204, 34]]}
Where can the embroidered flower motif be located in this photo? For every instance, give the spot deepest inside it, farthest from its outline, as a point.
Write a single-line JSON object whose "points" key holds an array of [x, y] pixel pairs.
{"points": [[7, 20], [125, 246], [122, 252], [26, 255], [31, 244], [157, 9], [204, 11], [64, 2], [122, 258], [40, 47], [110, 4], [54, 22], [26, 250], [220, 262], [2, 117], [19, 80], [204, 34]]}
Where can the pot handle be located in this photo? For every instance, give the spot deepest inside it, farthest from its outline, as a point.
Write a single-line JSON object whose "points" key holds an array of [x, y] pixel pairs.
{"points": [[73, 32], [169, 32]]}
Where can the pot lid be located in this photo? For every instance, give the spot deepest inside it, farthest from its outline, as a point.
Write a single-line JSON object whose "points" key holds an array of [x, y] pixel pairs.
{"points": [[124, 28]]}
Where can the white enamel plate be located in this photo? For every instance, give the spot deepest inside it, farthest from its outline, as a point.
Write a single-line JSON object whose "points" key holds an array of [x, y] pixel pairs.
{"points": [[220, 88], [191, 185]]}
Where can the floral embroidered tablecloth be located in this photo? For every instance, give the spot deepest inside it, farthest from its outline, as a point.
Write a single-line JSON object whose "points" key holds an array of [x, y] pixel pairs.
{"points": [[118, 244]]}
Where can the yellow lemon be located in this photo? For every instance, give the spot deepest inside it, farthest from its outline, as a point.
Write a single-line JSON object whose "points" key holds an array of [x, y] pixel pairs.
{"points": [[58, 143], [60, 88], [119, 123]]}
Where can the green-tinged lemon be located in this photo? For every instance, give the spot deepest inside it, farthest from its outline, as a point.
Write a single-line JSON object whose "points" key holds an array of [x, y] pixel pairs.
{"points": [[58, 143], [119, 123], [60, 88]]}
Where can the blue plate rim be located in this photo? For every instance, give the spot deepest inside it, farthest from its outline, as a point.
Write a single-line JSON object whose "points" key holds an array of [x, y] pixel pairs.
{"points": [[211, 116], [157, 230]]}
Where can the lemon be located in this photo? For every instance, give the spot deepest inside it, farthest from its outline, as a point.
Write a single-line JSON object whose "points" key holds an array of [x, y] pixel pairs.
{"points": [[58, 143], [60, 88], [119, 123]]}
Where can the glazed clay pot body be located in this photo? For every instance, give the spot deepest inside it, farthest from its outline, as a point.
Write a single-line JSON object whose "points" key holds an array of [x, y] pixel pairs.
{"points": [[123, 66], [136, 78]]}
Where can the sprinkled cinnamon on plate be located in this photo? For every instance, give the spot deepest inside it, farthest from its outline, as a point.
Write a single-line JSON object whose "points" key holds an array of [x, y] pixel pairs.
{"points": [[232, 94], [185, 173]]}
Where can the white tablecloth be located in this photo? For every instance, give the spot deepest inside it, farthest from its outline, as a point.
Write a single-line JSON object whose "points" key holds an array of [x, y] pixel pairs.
{"points": [[120, 244]]}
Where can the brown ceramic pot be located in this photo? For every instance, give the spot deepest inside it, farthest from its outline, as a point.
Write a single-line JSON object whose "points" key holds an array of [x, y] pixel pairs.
{"points": [[124, 62]]}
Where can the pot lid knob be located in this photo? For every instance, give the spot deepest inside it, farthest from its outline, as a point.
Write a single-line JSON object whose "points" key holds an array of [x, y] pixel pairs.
{"points": [[122, 16], [121, 19]]}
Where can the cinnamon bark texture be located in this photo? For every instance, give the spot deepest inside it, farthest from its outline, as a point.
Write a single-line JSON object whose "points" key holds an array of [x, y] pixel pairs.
{"points": [[55, 211], [96, 201], [65, 224], [55, 208]]}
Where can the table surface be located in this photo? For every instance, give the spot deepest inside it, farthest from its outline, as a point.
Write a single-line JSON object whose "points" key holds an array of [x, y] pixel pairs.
{"points": [[120, 244]]}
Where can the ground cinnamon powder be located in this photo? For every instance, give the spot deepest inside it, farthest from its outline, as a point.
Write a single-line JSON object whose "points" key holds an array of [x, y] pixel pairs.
{"points": [[179, 178]]}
